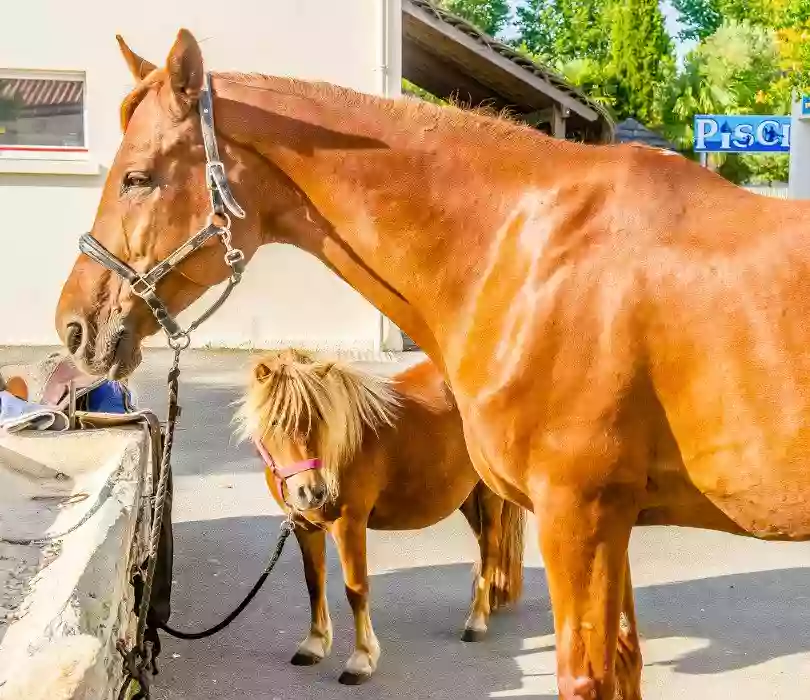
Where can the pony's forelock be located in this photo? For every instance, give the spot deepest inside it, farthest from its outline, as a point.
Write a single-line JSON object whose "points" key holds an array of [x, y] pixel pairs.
{"points": [[293, 395]]}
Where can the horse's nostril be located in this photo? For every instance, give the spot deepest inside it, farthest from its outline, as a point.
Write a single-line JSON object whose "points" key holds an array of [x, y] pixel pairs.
{"points": [[73, 337], [319, 492], [302, 493]]}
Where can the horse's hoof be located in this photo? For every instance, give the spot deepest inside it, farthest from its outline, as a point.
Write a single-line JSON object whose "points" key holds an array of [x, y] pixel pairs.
{"points": [[302, 658], [471, 635], [350, 678]]}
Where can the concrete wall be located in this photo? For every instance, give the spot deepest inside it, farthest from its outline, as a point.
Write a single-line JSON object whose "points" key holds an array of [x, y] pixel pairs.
{"points": [[67, 603], [46, 205]]}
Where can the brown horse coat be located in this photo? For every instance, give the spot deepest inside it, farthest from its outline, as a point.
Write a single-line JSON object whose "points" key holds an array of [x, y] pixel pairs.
{"points": [[393, 458], [623, 331]]}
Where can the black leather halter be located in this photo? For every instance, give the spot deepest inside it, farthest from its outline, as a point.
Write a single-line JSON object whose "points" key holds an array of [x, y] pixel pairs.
{"points": [[222, 199]]}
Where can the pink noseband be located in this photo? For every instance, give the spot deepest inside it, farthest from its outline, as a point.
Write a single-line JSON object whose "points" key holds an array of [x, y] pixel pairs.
{"points": [[281, 474]]}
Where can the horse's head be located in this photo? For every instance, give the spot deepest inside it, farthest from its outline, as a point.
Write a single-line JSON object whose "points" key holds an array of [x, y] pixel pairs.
{"points": [[155, 198], [299, 409]]}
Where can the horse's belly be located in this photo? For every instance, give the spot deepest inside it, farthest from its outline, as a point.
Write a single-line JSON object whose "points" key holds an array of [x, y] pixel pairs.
{"points": [[420, 505], [726, 492]]}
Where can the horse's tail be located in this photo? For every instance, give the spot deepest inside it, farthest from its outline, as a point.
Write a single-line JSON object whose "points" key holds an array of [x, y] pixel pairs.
{"points": [[507, 585], [507, 581]]}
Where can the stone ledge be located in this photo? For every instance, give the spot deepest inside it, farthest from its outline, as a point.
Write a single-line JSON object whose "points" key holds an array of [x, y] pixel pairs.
{"points": [[66, 604]]}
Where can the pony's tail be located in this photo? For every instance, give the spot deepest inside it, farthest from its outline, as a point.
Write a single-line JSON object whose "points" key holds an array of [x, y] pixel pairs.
{"points": [[507, 583]]}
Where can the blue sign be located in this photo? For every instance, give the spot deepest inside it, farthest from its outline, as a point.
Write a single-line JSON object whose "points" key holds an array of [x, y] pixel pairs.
{"points": [[719, 133], [805, 105]]}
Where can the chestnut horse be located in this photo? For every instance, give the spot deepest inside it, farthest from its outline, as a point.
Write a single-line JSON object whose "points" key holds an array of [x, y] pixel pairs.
{"points": [[346, 450], [623, 331]]}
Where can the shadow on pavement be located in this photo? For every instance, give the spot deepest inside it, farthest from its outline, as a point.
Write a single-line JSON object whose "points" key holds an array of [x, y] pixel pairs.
{"points": [[418, 613]]}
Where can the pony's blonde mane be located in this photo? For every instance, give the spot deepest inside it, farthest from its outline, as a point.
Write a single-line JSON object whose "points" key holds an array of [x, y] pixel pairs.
{"points": [[293, 395]]}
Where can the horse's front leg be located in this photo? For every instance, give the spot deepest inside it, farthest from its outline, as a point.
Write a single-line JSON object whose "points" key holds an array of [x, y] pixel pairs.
{"points": [[318, 643], [584, 538], [350, 537], [629, 662]]}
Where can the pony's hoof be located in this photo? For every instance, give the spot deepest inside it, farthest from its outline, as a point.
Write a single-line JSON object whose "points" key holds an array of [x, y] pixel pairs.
{"points": [[351, 678], [471, 635], [302, 658]]}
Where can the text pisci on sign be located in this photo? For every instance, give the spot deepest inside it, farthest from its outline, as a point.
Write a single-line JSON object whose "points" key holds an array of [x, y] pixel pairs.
{"points": [[720, 133]]}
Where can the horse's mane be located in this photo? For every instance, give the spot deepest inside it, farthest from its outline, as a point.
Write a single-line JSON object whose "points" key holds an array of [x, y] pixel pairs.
{"points": [[500, 123], [294, 395]]}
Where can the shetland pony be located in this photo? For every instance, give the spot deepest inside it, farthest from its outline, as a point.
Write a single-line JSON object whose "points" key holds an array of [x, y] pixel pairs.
{"points": [[346, 450]]}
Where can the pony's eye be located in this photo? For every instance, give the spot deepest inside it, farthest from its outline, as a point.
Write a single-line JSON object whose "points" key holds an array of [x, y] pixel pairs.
{"points": [[136, 180]]}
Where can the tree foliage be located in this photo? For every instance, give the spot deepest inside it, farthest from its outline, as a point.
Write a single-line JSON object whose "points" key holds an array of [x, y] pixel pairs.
{"points": [[750, 57], [561, 31], [700, 18], [617, 51], [490, 16], [640, 58], [727, 74]]}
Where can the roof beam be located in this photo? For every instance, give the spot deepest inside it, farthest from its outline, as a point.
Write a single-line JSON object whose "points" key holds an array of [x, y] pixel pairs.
{"points": [[450, 33]]}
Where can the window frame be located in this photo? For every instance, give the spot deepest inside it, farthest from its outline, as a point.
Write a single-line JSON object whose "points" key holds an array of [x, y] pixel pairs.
{"points": [[50, 159]]}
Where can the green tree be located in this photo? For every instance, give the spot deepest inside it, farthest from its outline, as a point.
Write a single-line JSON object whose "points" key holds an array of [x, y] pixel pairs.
{"points": [[560, 31], [700, 18], [640, 59], [490, 16], [731, 72]]}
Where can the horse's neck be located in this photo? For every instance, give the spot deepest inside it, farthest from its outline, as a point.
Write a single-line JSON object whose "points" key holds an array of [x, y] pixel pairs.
{"points": [[401, 203]]}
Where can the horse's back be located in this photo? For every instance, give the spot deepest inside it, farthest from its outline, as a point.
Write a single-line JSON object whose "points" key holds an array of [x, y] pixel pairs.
{"points": [[424, 383], [423, 455]]}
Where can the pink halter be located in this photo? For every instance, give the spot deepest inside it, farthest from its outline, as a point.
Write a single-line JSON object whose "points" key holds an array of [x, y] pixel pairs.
{"points": [[281, 474]]}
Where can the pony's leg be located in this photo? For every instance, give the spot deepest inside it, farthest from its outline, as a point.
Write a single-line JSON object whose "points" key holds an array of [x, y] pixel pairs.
{"points": [[318, 643], [629, 663], [483, 508], [584, 539], [350, 537]]}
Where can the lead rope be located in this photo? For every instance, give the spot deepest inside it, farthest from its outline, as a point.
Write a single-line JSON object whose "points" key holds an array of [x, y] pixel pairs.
{"points": [[138, 661]]}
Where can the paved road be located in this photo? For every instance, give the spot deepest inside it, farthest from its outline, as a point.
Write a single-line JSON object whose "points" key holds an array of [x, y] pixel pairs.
{"points": [[722, 617]]}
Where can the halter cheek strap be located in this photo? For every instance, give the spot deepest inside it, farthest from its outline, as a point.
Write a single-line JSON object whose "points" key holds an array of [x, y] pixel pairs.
{"points": [[281, 474]]}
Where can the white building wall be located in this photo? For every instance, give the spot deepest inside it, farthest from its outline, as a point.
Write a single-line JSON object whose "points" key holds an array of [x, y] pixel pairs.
{"points": [[345, 42]]}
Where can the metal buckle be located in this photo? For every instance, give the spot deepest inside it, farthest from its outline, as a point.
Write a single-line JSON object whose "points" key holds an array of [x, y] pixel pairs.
{"points": [[234, 256], [147, 288], [210, 166], [180, 341]]}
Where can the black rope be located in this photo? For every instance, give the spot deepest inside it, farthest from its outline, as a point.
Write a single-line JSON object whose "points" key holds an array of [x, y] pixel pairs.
{"points": [[286, 529], [138, 662]]}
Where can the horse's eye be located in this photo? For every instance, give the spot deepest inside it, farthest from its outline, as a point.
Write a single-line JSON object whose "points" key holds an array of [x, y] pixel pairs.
{"points": [[135, 180]]}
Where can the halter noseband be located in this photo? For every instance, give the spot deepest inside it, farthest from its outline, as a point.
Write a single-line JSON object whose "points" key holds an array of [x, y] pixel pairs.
{"points": [[281, 474], [143, 284]]}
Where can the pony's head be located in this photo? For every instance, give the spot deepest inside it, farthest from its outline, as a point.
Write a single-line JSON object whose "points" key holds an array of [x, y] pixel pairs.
{"points": [[154, 200], [303, 408]]}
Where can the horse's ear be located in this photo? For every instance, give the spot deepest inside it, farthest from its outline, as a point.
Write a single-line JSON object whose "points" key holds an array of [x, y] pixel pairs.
{"points": [[139, 67], [185, 68], [261, 372]]}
